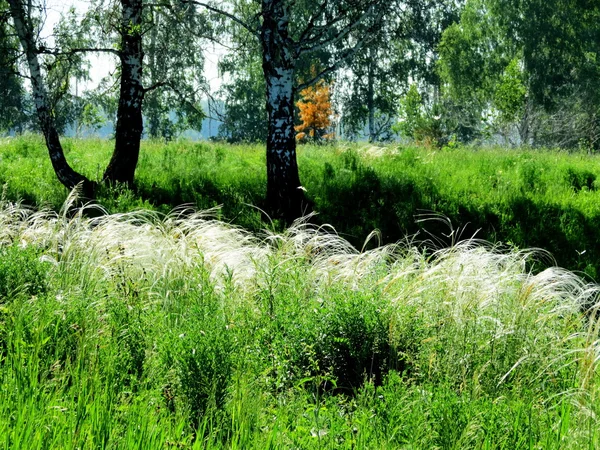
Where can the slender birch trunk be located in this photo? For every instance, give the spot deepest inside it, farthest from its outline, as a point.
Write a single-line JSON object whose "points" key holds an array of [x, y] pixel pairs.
{"points": [[152, 112], [129, 128], [285, 197], [65, 174]]}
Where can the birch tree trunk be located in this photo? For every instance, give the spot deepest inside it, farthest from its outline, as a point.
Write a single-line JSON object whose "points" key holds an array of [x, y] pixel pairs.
{"points": [[25, 31], [285, 197], [129, 128], [524, 126]]}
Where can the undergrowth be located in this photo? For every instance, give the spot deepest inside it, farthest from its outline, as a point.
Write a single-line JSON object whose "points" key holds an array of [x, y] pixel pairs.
{"points": [[144, 330]]}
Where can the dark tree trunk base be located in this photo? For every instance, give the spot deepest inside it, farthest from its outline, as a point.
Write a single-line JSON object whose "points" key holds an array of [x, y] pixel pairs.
{"points": [[287, 205]]}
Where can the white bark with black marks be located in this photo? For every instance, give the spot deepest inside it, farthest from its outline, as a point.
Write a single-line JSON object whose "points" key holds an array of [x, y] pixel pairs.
{"points": [[285, 197], [371, 95], [129, 128], [281, 52], [25, 32]]}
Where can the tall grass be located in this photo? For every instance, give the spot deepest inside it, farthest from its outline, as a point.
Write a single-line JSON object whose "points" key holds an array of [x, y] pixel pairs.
{"points": [[524, 197], [149, 330]]}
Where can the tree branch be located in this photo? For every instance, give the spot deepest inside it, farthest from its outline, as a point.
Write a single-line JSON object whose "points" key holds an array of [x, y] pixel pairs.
{"points": [[54, 52], [311, 23], [347, 54], [222, 12], [183, 98], [156, 86], [317, 42], [15, 73]]}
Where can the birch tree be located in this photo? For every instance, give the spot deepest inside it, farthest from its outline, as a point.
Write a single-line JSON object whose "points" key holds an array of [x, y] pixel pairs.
{"points": [[290, 32], [22, 13], [126, 19], [129, 114], [12, 116], [129, 127]]}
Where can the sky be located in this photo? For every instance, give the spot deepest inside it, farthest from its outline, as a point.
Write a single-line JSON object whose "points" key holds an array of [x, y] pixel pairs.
{"points": [[102, 65]]}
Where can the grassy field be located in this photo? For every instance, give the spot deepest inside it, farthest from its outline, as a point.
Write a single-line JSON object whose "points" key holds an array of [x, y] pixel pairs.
{"points": [[148, 329], [145, 331], [526, 198]]}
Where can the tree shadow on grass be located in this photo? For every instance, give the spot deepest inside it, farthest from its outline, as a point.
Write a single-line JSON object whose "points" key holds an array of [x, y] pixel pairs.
{"points": [[360, 200], [356, 199], [235, 200], [569, 235]]}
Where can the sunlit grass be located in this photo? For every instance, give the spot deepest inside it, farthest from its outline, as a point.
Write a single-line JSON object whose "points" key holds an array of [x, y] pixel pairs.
{"points": [[150, 330], [526, 197]]}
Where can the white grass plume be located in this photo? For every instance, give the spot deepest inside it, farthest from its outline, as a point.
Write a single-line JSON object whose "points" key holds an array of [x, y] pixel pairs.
{"points": [[466, 293]]}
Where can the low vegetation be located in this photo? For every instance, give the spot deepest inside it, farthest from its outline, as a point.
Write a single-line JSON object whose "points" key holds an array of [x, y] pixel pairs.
{"points": [[140, 330], [526, 198]]}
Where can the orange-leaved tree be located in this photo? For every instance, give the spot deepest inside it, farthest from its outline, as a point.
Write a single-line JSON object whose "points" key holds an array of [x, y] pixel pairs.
{"points": [[315, 113]]}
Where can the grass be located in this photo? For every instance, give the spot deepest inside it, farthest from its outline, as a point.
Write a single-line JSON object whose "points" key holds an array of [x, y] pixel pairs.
{"points": [[144, 330], [525, 198]]}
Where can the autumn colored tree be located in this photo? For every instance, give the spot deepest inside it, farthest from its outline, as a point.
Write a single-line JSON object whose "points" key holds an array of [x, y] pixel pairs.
{"points": [[315, 113]]}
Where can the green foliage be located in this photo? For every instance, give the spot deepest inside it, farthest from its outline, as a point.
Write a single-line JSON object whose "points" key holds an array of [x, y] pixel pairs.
{"points": [[411, 113], [337, 337], [554, 36], [377, 78], [21, 272], [91, 117], [420, 122], [175, 59], [532, 64], [181, 331], [353, 339], [200, 353], [510, 94], [481, 71], [580, 179], [12, 93], [245, 114]]}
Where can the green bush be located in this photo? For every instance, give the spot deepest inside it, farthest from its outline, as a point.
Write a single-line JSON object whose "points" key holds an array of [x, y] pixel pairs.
{"points": [[198, 359], [580, 179], [353, 339]]}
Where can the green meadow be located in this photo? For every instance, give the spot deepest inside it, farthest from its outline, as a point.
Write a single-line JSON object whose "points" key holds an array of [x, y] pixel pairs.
{"points": [[141, 323], [545, 199]]}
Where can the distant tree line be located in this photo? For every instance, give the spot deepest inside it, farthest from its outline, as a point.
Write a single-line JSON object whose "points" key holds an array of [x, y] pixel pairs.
{"points": [[521, 72]]}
